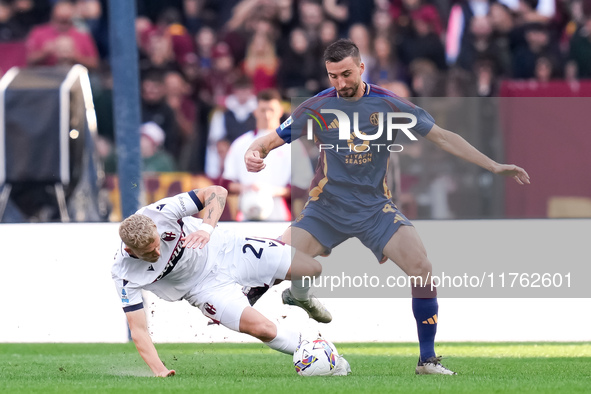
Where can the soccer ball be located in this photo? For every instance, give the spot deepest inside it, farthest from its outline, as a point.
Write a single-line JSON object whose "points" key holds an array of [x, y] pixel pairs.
{"points": [[315, 358]]}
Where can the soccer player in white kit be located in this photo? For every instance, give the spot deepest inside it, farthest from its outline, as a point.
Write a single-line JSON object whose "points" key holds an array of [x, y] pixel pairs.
{"points": [[176, 256]]}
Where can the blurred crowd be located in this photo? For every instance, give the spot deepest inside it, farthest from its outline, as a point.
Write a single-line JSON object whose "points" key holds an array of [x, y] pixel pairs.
{"points": [[202, 62]]}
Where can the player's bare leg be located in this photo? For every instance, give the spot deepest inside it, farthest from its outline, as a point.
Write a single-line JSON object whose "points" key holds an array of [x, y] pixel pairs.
{"points": [[279, 338], [298, 294], [406, 249]]}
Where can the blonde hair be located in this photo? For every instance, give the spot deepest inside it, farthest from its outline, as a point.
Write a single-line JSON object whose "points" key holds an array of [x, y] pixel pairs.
{"points": [[137, 231]]}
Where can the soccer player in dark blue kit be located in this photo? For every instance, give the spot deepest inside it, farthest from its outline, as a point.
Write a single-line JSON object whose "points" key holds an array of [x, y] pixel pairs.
{"points": [[348, 196]]}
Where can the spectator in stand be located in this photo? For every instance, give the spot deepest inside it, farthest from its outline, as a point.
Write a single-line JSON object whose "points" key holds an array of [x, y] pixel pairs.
{"points": [[361, 36], [298, 72], [544, 70], [404, 12], [206, 40], [178, 98], [154, 158], [386, 67], [424, 42], [349, 12], [580, 50], [31, 13], [261, 63], [90, 17], [480, 45], [153, 9], [502, 23], [425, 79], [328, 33], [487, 84], [311, 17], [229, 122], [155, 109], [532, 11], [157, 50], [264, 195], [10, 28], [170, 24], [193, 15], [383, 24], [539, 44], [221, 78], [458, 23], [59, 42]]}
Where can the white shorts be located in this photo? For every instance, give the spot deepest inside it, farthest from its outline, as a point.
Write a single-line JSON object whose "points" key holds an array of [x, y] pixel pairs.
{"points": [[252, 262]]}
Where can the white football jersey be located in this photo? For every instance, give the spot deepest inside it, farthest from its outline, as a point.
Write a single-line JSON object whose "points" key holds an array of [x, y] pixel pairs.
{"points": [[178, 269]]}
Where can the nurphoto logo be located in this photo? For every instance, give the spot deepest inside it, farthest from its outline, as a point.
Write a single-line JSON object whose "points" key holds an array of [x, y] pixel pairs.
{"points": [[348, 133]]}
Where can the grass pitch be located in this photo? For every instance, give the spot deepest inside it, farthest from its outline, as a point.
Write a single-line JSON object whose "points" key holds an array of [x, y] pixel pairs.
{"points": [[253, 368]]}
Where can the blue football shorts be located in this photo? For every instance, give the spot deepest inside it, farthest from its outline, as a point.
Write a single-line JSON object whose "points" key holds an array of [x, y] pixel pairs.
{"points": [[373, 226]]}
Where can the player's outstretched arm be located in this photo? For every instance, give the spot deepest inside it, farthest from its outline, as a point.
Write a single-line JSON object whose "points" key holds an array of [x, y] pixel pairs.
{"points": [[143, 343], [214, 201], [259, 149], [458, 146]]}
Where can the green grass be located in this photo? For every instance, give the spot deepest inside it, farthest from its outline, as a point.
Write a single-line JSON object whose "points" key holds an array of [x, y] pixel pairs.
{"points": [[253, 368]]}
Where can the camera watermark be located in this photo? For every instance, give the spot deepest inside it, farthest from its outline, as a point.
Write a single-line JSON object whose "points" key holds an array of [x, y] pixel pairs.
{"points": [[364, 126], [488, 280]]}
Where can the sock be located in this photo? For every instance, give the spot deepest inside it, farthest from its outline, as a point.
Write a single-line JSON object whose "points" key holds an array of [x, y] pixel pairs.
{"points": [[425, 311], [286, 341], [300, 289]]}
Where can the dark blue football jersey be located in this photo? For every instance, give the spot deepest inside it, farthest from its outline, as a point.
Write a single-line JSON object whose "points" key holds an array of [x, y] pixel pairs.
{"points": [[353, 159]]}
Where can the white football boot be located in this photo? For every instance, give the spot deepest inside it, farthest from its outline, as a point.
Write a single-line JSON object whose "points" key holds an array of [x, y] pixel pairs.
{"points": [[432, 366], [342, 367], [315, 309]]}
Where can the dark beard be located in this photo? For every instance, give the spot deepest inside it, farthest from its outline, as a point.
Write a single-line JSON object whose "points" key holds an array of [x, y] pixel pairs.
{"points": [[349, 95]]}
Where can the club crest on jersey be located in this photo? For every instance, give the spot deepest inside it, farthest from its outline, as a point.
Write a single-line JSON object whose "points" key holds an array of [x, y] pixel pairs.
{"points": [[168, 236], [374, 118], [209, 308]]}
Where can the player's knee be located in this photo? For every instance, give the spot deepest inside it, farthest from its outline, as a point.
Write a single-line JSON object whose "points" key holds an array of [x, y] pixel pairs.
{"points": [[265, 331], [421, 267], [315, 268]]}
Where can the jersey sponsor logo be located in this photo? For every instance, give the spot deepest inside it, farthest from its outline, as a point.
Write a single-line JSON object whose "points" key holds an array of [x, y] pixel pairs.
{"points": [[168, 236], [287, 123], [174, 258], [182, 202], [151, 268], [159, 207], [124, 298], [125, 282], [209, 308]]}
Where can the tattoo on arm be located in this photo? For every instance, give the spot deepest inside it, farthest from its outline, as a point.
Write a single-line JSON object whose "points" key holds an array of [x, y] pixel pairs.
{"points": [[209, 199], [209, 213], [222, 202], [264, 150]]}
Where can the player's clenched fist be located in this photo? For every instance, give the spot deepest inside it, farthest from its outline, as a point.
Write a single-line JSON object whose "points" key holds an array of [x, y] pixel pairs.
{"points": [[253, 161]]}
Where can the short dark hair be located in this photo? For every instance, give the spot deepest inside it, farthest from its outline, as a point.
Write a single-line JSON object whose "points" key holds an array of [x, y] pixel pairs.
{"points": [[340, 50], [268, 95], [242, 82]]}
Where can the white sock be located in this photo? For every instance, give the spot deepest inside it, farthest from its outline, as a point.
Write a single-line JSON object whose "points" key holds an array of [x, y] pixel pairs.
{"points": [[286, 341], [300, 289]]}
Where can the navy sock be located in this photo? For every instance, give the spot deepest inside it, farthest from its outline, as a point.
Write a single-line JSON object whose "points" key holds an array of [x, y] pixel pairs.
{"points": [[425, 312]]}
